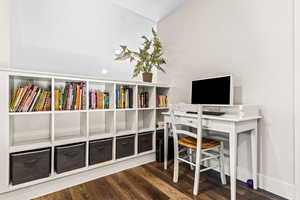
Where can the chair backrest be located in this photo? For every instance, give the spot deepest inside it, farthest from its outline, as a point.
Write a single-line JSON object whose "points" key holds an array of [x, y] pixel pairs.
{"points": [[183, 123]]}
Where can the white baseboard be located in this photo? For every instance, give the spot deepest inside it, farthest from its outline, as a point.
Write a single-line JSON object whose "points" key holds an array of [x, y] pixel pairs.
{"points": [[270, 184], [277, 187], [69, 181]]}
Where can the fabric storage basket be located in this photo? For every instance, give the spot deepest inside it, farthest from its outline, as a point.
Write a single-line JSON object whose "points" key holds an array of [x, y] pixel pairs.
{"points": [[100, 151], [145, 142], [125, 146], [69, 157], [29, 166]]}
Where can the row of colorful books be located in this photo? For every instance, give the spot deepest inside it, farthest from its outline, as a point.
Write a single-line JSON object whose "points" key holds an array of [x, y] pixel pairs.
{"points": [[99, 100], [143, 100], [162, 101], [71, 97], [30, 98], [124, 97]]}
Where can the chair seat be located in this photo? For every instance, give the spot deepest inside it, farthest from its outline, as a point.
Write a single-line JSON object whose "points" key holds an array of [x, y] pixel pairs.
{"points": [[191, 142]]}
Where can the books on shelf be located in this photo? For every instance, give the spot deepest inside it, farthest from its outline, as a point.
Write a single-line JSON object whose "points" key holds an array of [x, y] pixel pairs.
{"points": [[124, 97], [162, 101], [143, 100], [71, 97], [98, 100], [30, 98]]}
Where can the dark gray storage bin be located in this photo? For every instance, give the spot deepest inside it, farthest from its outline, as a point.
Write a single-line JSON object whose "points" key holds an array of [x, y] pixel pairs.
{"points": [[29, 166], [125, 146], [69, 157], [145, 142], [100, 151]]}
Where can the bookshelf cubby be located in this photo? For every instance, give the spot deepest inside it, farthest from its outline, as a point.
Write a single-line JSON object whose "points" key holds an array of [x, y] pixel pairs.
{"points": [[146, 96], [26, 132], [101, 124], [72, 94], [146, 120], [101, 87], [70, 125], [159, 118], [129, 93], [126, 122], [163, 92], [35, 130], [31, 89]]}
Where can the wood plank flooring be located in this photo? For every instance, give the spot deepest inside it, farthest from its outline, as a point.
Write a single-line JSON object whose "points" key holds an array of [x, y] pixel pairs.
{"points": [[151, 181]]}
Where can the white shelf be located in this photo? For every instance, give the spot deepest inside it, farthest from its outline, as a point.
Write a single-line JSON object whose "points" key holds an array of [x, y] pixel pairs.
{"points": [[126, 109], [100, 136], [30, 113], [122, 133], [162, 108], [29, 145], [101, 110], [151, 108], [69, 140], [146, 130], [70, 111], [47, 129]]}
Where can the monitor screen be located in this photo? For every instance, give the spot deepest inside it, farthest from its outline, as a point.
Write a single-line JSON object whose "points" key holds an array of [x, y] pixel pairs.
{"points": [[212, 91]]}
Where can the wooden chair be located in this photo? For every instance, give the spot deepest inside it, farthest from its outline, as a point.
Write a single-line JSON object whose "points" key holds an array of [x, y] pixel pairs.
{"points": [[189, 141]]}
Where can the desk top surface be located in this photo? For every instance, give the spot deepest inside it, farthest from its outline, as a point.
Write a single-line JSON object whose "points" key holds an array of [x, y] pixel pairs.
{"points": [[225, 117]]}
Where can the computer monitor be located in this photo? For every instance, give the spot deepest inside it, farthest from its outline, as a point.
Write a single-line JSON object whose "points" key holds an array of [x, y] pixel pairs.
{"points": [[213, 91]]}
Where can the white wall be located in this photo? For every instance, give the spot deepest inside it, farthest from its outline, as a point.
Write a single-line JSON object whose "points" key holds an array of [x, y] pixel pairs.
{"points": [[253, 40], [4, 33], [77, 37], [297, 97]]}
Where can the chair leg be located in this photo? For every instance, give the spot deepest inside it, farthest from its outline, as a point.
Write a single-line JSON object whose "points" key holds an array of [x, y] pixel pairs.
{"points": [[190, 152], [197, 172], [176, 161], [176, 170], [221, 164]]}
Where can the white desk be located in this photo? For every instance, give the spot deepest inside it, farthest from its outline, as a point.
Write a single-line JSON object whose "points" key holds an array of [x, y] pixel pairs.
{"points": [[227, 124]]}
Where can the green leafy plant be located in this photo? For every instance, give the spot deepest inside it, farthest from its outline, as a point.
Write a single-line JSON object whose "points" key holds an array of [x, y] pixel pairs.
{"points": [[145, 58]]}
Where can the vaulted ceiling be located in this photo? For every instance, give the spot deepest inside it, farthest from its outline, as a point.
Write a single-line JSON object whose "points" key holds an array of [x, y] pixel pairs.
{"points": [[152, 9]]}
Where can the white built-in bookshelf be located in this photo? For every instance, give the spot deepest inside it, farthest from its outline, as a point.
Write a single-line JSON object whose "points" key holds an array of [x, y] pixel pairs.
{"points": [[47, 129]]}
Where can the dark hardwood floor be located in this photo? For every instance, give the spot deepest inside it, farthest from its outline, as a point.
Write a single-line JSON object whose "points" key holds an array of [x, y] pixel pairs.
{"points": [[152, 182]]}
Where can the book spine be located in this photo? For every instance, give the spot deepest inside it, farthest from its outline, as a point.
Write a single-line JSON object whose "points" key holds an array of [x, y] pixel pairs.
{"points": [[117, 97], [13, 99], [35, 100], [83, 98], [24, 100], [126, 98], [94, 100], [80, 104], [20, 100], [122, 97], [29, 100], [130, 97], [106, 100], [32, 100]]}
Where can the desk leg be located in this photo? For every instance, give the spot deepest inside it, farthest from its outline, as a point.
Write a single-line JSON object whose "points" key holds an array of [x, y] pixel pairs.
{"points": [[233, 163], [254, 157], [166, 137]]}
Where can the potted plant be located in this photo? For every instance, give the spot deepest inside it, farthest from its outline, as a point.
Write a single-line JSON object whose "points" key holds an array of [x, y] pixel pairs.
{"points": [[147, 57]]}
